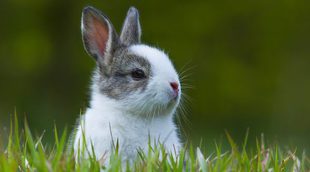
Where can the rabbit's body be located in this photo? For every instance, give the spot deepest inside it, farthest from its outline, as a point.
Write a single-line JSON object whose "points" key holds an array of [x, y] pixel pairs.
{"points": [[105, 126], [135, 91]]}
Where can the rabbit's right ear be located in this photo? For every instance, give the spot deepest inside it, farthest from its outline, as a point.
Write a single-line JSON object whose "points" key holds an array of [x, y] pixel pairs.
{"points": [[131, 31], [99, 36]]}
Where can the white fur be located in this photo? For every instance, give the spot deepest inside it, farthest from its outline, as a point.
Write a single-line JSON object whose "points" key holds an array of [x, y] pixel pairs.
{"points": [[133, 121]]}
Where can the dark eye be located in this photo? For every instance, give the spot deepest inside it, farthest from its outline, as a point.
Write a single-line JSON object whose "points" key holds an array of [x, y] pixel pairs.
{"points": [[137, 74]]}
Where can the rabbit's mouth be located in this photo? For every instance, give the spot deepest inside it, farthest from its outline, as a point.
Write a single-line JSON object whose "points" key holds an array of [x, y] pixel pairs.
{"points": [[174, 96], [174, 99]]}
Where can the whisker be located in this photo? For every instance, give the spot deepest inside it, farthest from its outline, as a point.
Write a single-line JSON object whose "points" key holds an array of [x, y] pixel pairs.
{"points": [[187, 98], [187, 87], [186, 65], [185, 68], [183, 122]]}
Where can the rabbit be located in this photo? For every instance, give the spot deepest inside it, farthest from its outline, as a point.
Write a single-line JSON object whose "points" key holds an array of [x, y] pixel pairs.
{"points": [[135, 91]]}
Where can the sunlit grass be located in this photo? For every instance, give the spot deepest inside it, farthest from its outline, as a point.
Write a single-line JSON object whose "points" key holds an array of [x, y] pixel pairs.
{"points": [[23, 152]]}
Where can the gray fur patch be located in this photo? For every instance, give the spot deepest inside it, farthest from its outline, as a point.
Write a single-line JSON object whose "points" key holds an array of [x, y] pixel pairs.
{"points": [[118, 83]]}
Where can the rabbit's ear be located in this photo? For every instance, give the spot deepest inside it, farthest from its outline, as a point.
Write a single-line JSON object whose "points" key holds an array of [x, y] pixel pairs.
{"points": [[99, 36], [131, 31]]}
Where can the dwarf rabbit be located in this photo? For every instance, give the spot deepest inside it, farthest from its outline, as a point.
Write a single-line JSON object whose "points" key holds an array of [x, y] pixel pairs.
{"points": [[134, 94]]}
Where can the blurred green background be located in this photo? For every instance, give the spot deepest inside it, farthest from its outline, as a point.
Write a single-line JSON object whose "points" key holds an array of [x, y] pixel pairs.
{"points": [[248, 61]]}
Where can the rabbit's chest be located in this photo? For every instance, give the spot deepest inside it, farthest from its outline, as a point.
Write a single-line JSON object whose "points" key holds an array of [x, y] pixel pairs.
{"points": [[135, 135]]}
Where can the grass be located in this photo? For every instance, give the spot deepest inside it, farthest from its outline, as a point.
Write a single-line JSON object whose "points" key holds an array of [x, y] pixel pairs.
{"points": [[23, 152]]}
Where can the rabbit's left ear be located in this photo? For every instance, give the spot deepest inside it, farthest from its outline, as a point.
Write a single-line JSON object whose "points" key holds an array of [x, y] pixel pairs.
{"points": [[131, 31]]}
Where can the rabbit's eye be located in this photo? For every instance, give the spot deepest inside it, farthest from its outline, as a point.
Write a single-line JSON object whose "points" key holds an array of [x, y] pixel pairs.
{"points": [[137, 74]]}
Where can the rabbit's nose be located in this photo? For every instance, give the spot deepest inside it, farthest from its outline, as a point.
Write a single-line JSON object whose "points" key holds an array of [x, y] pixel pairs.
{"points": [[175, 87]]}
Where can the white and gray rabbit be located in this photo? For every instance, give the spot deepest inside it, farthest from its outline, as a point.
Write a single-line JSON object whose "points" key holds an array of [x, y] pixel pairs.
{"points": [[134, 94]]}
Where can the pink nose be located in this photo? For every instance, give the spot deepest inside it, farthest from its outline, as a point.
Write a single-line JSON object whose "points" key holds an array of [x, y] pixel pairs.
{"points": [[175, 87]]}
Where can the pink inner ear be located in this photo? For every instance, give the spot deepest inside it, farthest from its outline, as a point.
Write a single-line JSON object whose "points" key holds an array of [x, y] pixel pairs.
{"points": [[100, 35]]}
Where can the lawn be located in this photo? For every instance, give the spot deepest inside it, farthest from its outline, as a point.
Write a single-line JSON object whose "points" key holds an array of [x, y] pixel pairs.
{"points": [[24, 152]]}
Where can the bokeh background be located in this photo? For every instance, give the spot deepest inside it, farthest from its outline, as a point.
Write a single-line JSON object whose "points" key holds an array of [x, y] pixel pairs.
{"points": [[247, 61]]}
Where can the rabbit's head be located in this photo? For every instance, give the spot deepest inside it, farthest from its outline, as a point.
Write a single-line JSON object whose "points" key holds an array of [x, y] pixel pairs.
{"points": [[139, 79]]}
